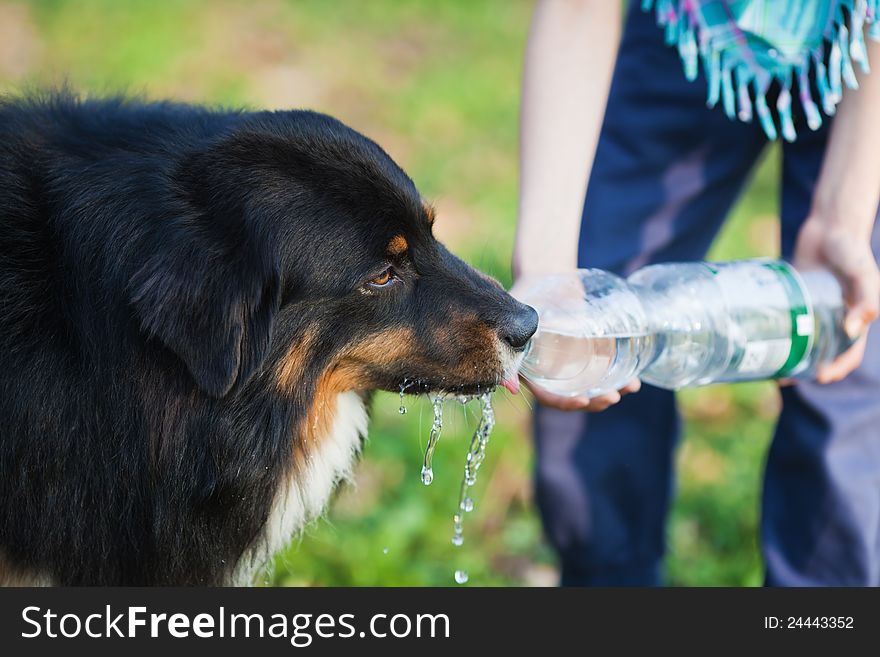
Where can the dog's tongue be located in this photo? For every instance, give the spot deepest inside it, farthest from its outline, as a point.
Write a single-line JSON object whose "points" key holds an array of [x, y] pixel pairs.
{"points": [[512, 384]]}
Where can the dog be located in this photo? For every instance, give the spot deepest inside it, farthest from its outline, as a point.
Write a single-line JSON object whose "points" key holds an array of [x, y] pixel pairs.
{"points": [[195, 309]]}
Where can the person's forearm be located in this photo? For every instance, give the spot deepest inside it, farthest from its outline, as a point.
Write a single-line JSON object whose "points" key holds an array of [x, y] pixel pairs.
{"points": [[848, 191], [569, 61]]}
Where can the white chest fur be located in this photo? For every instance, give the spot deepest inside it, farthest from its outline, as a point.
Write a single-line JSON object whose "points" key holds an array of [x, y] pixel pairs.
{"points": [[305, 495]]}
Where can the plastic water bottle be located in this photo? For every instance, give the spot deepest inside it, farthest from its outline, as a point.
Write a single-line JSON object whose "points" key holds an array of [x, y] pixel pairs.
{"points": [[682, 324]]}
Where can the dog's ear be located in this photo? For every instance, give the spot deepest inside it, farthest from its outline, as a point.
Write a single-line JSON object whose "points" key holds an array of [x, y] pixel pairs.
{"points": [[214, 311]]}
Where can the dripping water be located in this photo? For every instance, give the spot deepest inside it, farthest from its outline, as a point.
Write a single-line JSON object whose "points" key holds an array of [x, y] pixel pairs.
{"points": [[474, 459], [403, 387], [433, 437]]}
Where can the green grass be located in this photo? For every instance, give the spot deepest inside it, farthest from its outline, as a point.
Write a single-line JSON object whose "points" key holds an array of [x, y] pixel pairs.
{"points": [[436, 83]]}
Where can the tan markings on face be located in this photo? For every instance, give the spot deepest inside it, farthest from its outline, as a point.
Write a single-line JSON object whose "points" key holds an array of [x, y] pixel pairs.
{"points": [[319, 419], [393, 345], [397, 246], [472, 338], [292, 366], [429, 212], [349, 371], [468, 336]]}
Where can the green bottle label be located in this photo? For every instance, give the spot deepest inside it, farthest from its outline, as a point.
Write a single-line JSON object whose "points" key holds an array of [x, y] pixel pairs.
{"points": [[801, 318]]}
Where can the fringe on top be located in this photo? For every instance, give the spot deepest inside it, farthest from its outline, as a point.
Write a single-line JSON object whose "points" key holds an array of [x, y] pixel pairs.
{"points": [[747, 45]]}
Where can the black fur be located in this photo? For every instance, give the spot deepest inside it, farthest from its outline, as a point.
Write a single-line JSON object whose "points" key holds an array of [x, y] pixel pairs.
{"points": [[157, 263]]}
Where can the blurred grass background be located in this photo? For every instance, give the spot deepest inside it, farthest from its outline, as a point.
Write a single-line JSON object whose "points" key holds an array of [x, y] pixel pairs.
{"points": [[436, 84]]}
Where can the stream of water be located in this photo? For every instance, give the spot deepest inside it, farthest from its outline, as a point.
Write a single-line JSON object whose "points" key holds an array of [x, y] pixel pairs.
{"points": [[473, 460], [475, 455]]}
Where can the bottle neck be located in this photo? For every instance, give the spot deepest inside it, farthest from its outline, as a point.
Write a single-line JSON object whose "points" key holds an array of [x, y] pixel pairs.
{"points": [[651, 346], [649, 350]]}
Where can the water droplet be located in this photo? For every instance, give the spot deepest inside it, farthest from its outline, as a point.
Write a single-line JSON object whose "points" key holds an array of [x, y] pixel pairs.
{"points": [[457, 540], [384, 550], [467, 505], [433, 437], [461, 577], [403, 386]]}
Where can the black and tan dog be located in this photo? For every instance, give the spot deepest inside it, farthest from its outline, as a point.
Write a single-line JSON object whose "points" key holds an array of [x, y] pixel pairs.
{"points": [[194, 309]]}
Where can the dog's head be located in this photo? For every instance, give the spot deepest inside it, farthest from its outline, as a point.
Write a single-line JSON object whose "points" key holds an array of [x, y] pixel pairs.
{"points": [[302, 252]]}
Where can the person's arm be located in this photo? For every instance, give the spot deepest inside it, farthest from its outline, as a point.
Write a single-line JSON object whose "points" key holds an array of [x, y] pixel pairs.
{"points": [[569, 61], [837, 234]]}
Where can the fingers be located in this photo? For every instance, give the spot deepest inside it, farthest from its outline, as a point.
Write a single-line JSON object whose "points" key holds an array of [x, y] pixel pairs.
{"points": [[602, 402], [862, 292], [854, 264], [843, 364], [582, 402], [849, 257], [633, 386], [863, 300]]}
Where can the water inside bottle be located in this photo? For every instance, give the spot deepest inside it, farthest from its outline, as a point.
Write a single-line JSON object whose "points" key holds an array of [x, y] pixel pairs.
{"points": [[572, 365], [682, 324], [684, 358]]}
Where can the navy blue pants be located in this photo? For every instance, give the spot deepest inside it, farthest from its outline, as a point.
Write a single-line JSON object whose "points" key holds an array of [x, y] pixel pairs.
{"points": [[666, 173]]}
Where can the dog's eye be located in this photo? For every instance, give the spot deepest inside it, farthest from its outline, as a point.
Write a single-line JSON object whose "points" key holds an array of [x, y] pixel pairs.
{"points": [[383, 279]]}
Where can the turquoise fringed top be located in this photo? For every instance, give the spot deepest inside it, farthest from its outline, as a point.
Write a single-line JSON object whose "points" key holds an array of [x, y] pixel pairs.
{"points": [[747, 44]]}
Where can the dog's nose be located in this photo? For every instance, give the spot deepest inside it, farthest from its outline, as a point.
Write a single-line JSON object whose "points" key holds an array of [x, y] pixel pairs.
{"points": [[519, 326]]}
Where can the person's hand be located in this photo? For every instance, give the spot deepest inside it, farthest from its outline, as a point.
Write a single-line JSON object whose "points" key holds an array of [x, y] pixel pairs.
{"points": [[590, 404], [563, 403], [847, 255]]}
